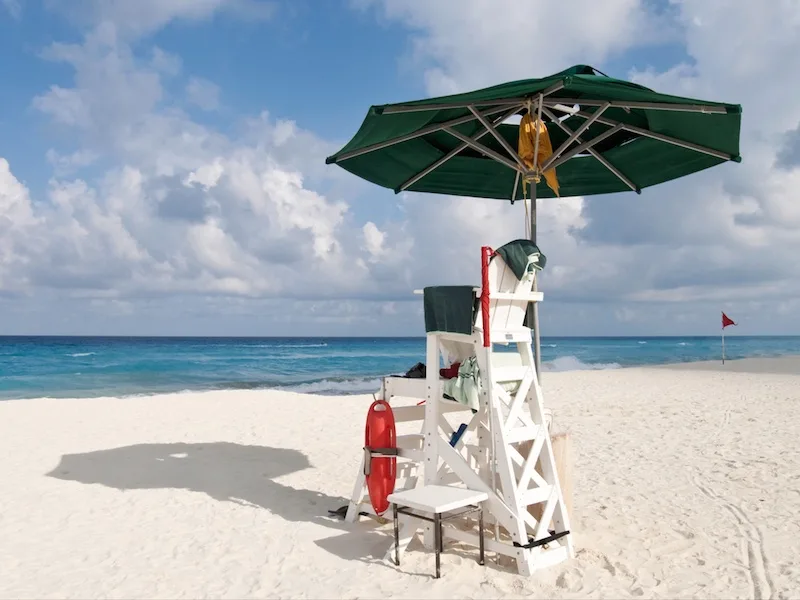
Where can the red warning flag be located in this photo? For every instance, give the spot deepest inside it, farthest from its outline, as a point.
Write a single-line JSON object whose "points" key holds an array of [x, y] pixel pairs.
{"points": [[726, 320]]}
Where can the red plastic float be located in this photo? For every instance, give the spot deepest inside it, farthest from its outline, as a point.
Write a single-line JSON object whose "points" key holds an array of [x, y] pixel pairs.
{"points": [[381, 472]]}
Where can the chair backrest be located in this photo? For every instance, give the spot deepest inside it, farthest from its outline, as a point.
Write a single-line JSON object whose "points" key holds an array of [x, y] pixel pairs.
{"points": [[508, 310]]}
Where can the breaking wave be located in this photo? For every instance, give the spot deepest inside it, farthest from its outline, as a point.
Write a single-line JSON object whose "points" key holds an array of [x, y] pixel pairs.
{"points": [[573, 363], [337, 387]]}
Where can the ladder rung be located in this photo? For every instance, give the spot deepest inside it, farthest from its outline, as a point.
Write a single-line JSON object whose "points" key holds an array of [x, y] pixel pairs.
{"points": [[509, 373], [500, 335], [529, 297], [522, 434], [415, 455], [412, 441], [536, 495]]}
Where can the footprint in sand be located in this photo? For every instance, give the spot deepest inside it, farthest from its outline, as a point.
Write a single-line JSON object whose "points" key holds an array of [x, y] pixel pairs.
{"points": [[571, 580]]}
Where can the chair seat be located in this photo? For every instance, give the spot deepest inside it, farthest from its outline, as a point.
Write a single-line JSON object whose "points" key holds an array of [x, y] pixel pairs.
{"points": [[437, 499]]}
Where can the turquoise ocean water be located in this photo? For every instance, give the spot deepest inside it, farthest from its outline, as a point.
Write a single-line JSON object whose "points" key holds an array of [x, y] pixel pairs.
{"points": [[118, 366]]}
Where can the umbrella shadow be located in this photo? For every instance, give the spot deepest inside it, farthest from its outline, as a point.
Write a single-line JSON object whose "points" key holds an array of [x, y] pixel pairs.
{"points": [[225, 471]]}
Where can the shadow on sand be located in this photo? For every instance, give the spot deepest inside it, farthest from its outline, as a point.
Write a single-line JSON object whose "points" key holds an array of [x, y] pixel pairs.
{"points": [[227, 472]]}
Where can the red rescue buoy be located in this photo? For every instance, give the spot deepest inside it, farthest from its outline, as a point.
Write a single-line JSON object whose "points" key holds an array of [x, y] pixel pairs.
{"points": [[381, 472]]}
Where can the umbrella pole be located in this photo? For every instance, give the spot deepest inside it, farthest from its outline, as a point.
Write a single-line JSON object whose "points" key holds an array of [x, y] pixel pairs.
{"points": [[533, 307]]}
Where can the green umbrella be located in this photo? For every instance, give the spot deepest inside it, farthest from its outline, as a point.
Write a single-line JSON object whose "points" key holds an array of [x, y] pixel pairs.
{"points": [[607, 135]]}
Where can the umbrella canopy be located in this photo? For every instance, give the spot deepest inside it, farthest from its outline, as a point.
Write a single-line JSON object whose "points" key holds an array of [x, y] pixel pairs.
{"points": [[607, 135]]}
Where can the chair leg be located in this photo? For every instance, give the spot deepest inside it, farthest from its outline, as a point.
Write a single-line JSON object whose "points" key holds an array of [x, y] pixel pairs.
{"points": [[480, 536], [396, 536], [437, 530]]}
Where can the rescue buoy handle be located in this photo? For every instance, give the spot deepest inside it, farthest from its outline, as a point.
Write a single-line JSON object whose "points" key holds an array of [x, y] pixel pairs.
{"points": [[370, 453]]}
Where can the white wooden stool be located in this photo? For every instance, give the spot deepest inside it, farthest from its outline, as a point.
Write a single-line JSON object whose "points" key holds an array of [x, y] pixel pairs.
{"points": [[437, 499]]}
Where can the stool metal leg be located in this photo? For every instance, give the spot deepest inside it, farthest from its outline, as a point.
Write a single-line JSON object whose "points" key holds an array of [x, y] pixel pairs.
{"points": [[396, 536], [437, 532], [480, 535]]}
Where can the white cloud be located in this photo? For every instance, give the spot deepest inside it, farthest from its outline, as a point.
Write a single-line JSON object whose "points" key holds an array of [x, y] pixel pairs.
{"points": [[203, 93], [185, 210], [13, 7], [66, 164], [472, 43], [373, 239], [165, 62], [134, 19]]}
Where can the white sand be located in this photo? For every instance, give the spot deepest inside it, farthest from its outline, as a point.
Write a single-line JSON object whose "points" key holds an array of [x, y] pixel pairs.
{"points": [[687, 485]]}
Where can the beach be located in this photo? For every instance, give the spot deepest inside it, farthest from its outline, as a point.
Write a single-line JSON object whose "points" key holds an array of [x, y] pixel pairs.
{"points": [[686, 485]]}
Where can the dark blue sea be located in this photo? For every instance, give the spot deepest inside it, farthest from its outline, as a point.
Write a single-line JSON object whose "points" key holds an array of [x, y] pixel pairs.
{"points": [[67, 367]]}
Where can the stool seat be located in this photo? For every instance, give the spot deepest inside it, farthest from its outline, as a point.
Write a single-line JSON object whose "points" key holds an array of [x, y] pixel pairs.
{"points": [[437, 499]]}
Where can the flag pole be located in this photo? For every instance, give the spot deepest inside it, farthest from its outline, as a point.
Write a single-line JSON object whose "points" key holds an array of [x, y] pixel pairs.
{"points": [[723, 342]]}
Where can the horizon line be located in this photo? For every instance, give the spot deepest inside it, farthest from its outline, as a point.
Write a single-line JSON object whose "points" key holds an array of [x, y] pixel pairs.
{"points": [[356, 337]]}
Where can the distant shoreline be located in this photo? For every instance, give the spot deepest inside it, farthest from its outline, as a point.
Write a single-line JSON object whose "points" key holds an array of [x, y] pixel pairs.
{"points": [[81, 367], [375, 337], [778, 365], [774, 365]]}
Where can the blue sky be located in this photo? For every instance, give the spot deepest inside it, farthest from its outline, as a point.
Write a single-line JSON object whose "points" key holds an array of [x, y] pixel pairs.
{"points": [[162, 167]]}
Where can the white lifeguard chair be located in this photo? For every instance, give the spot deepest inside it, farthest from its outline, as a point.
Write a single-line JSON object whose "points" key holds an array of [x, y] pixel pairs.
{"points": [[506, 436]]}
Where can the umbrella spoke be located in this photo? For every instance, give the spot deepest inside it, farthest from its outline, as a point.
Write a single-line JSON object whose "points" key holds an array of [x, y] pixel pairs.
{"points": [[516, 186], [483, 149], [503, 141], [658, 136], [584, 146], [399, 108], [701, 108], [600, 158], [584, 126], [414, 134], [432, 167]]}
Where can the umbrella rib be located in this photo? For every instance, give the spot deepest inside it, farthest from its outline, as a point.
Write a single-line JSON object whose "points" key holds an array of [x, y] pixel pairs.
{"points": [[482, 149], [595, 140], [400, 108], [516, 186], [602, 159], [584, 126], [410, 136], [658, 136], [395, 110], [701, 108], [432, 167], [503, 142]]}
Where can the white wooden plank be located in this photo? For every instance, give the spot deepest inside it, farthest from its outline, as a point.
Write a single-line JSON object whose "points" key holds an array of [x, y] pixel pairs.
{"points": [[509, 373], [524, 297], [520, 398], [466, 537], [522, 434], [529, 469], [536, 495], [547, 514], [472, 480], [410, 441], [359, 489]]}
